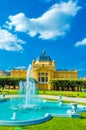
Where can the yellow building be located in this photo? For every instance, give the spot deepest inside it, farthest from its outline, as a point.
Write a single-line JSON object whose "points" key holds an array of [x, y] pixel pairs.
{"points": [[43, 70], [18, 73]]}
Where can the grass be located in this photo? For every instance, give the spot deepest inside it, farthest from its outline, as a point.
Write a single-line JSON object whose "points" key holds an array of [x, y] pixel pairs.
{"points": [[49, 92], [9, 91], [61, 124], [56, 123], [65, 101], [63, 93]]}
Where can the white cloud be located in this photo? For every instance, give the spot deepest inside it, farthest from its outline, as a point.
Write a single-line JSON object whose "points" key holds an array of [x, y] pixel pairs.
{"points": [[81, 43], [54, 23], [20, 67], [20, 22], [10, 42]]}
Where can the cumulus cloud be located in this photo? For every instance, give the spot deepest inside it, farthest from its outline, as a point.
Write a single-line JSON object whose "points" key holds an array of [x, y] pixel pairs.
{"points": [[10, 42], [20, 67], [81, 43], [54, 23]]}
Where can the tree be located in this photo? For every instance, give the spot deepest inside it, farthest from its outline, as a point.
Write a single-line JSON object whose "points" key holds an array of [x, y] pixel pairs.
{"points": [[66, 84]]}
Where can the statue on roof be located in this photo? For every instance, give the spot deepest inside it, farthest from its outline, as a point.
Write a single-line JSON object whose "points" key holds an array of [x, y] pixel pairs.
{"points": [[44, 52]]}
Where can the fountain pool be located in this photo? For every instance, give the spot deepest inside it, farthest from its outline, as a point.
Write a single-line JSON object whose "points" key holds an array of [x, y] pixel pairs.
{"points": [[26, 116], [29, 109]]}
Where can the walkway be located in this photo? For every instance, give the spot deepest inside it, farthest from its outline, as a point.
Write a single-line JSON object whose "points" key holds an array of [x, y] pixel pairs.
{"points": [[80, 100]]}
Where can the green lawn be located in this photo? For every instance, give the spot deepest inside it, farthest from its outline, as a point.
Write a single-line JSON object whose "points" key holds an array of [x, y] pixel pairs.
{"points": [[55, 123], [65, 101], [9, 91], [63, 93], [51, 92]]}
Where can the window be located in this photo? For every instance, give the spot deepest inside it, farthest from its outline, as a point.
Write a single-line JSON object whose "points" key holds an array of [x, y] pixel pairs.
{"points": [[46, 74], [38, 79], [42, 77], [38, 74], [43, 73], [46, 79], [42, 65]]}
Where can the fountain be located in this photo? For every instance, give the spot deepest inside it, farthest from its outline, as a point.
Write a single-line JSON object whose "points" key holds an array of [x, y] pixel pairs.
{"points": [[74, 108], [73, 111], [31, 98], [27, 91], [29, 109], [22, 88], [30, 89], [60, 100], [13, 116]]}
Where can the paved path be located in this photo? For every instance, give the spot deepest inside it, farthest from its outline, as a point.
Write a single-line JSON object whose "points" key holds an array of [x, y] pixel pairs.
{"points": [[82, 100]]}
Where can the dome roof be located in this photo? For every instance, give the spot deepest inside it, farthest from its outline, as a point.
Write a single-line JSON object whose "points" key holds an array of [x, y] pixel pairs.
{"points": [[44, 57]]}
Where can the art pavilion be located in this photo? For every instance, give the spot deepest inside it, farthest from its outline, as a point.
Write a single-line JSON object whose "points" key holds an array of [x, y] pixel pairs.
{"points": [[44, 70]]}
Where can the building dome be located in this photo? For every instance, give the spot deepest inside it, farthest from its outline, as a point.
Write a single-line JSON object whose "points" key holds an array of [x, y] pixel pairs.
{"points": [[44, 57]]}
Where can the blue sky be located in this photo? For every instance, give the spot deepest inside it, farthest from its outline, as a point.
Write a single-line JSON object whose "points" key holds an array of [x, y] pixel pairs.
{"points": [[28, 27]]}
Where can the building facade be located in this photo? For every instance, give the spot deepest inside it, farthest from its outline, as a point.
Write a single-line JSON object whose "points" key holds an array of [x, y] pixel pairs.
{"points": [[44, 70], [18, 73], [3, 73]]}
